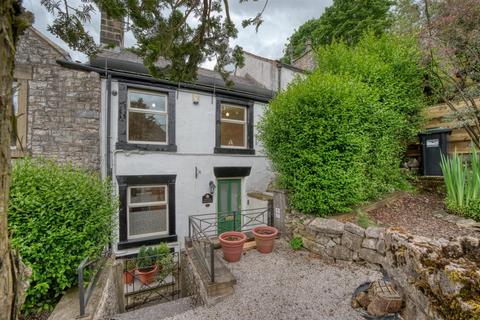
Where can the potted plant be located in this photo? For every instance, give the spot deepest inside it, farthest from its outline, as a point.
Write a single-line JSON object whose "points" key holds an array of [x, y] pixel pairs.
{"points": [[232, 245], [146, 265], [264, 238], [130, 268], [164, 261]]}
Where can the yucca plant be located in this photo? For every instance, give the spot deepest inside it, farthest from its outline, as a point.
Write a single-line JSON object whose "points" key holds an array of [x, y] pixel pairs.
{"points": [[462, 182]]}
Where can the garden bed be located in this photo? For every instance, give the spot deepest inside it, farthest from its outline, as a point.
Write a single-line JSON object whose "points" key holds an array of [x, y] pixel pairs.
{"points": [[419, 214]]}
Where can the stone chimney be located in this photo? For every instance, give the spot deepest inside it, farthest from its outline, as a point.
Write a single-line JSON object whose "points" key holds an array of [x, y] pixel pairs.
{"points": [[111, 31], [307, 60]]}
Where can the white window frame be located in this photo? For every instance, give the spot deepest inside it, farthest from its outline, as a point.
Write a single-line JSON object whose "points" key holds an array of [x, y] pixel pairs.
{"points": [[165, 113], [146, 204], [244, 122]]}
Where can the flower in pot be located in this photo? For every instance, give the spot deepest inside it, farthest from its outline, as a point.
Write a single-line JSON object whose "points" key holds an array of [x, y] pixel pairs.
{"points": [[264, 238], [129, 272], [232, 245], [146, 265]]}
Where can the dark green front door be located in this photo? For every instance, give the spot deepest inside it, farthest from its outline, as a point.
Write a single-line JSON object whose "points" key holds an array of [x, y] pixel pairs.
{"points": [[229, 204]]}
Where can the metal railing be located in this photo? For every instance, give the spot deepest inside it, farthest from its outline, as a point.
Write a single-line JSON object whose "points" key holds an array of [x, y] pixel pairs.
{"points": [[160, 282], [88, 271], [204, 228]]}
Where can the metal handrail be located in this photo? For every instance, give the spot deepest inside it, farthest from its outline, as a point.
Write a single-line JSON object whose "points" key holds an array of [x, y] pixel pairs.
{"points": [[85, 294], [202, 228]]}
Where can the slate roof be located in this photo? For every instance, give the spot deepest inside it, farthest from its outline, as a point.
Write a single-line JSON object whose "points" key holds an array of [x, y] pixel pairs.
{"points": [[127, 62]]}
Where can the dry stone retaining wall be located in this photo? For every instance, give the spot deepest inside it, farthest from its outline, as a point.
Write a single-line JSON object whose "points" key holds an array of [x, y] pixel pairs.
{"points": [[439, 279]]}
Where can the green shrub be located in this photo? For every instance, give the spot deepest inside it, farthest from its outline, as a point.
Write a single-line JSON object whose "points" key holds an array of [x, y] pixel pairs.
{"points": [[58, 215], [337, 138], [462, 182], [364, 221], [331, 143], [296, 243]]}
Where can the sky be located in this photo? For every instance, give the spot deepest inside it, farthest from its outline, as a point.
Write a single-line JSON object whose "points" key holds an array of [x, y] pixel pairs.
{"points": [[281, 18]]}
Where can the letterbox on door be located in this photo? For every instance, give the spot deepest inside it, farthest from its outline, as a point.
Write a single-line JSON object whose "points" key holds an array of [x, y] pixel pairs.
{"points": [[434, 143]]}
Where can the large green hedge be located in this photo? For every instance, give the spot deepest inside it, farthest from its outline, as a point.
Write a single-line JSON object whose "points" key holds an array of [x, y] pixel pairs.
{"points": [[337, 138], [58, 215]]}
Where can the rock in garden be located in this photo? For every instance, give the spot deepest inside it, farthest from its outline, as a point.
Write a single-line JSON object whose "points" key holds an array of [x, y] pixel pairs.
{"points": [[373, 232], [327, 226], [353, 228]]}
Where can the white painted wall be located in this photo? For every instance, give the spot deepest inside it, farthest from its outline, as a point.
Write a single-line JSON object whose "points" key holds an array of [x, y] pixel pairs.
{"points": [[261, 70], [195, 139], [266, 72]]}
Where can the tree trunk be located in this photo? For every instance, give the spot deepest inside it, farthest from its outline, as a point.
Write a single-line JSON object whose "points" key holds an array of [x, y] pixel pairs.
{"points": [[13, 20]]}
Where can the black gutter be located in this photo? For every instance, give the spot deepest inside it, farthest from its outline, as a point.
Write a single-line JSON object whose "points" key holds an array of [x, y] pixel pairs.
{"points": [[192, 86], [109, 115]]}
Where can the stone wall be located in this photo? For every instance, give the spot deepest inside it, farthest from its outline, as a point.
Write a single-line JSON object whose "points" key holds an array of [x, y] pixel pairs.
{"points": [[107, 298], [439, 279], [63, 105]]}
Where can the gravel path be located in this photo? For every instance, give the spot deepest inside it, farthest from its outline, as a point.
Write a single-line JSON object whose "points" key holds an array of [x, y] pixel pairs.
{"points": [[287, 285]]}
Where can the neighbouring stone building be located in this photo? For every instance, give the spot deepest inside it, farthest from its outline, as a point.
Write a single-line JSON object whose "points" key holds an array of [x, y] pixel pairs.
{"points": [[57, 109]]}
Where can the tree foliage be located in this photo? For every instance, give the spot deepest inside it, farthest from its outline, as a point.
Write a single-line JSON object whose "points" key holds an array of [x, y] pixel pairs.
{"points": [[337, 138], [185, 33], [345, 20], [58, 215]]}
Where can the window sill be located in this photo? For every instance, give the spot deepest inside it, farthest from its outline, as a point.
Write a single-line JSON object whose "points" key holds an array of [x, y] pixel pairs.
{"points": [[145, 147], [233, 151], [145, 242]]}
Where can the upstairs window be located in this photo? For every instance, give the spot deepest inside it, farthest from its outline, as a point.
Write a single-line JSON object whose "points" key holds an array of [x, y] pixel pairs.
{"points": [[233, 126], [147, 117]]}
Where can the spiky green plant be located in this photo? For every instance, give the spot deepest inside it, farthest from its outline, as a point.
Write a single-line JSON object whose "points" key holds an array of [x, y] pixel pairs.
{"points": [[462, 181]]}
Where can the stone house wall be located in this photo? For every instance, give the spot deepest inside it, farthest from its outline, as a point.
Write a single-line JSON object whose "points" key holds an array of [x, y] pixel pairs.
{"points": [[63, 105], [439, 279]]}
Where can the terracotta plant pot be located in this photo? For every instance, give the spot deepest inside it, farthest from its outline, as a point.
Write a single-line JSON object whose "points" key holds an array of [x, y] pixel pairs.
{"points": [[128, 276], [265, 238], [232, 245], [147, 275]]}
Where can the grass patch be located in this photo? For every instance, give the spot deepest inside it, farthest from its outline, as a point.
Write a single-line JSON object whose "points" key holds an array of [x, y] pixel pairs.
{"points": [[364, 221]]}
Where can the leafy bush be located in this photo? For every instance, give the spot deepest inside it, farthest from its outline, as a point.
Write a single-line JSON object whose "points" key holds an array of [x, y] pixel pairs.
{"points": [[337, 137], [58, 215], [296, 243], [462, 182], [390, 65]]}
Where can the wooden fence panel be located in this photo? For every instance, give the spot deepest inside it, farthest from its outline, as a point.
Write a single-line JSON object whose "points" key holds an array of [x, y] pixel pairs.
{"points": [[440, 116]]}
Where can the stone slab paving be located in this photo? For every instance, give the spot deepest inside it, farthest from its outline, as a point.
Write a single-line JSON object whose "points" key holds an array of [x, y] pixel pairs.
{"points": [[157, 311], [287, 285]]}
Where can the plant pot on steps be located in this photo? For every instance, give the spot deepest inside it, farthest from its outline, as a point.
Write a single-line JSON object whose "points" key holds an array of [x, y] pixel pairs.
{"points": [[147, 275], [128, 276], [232, 245], [265, 238]]}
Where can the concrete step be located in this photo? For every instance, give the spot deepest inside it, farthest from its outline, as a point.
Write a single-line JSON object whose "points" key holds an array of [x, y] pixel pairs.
{"points": [[157, 311], [224, 279]]}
